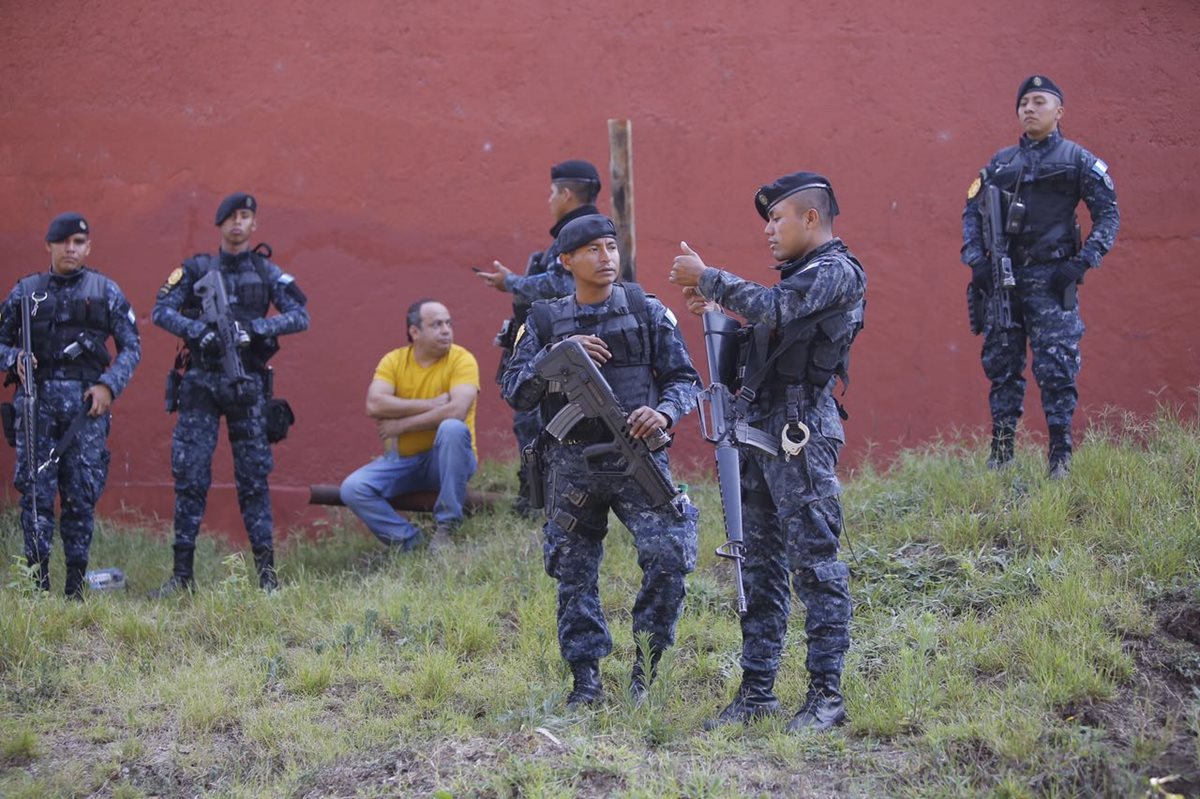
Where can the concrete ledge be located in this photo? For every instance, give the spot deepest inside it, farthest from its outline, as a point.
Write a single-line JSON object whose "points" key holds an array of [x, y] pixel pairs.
{"points": [[416, 502]]}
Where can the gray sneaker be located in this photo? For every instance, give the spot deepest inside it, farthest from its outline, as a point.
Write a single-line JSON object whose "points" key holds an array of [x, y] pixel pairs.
{"points": [[441, 538]]}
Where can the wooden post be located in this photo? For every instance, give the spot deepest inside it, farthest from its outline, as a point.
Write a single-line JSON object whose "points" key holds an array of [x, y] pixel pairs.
{"points": [[620, 164]]}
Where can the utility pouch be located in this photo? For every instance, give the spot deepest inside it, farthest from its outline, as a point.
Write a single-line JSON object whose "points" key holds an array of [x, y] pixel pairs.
{"points": [[535, 474], [279, 419], [1015, 218], [8, 412], [171, 400]]}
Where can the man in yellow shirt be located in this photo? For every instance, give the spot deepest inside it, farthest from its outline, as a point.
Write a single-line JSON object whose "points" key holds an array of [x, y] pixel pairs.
{"points": [[422, 399]]}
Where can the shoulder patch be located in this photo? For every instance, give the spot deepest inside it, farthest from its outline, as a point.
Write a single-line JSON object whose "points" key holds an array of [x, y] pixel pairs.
{"points": [[667, 312], [132, 316], [285, 278], [519, 336], [973, 189], [1100, 168], [172, 280]]}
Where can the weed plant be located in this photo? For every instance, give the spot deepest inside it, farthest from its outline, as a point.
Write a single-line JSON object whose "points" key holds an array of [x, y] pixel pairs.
{"points": [[992, 609]]}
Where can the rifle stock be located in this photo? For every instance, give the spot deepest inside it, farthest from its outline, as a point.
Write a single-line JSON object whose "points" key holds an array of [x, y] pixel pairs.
{"points": [[590, 397]]}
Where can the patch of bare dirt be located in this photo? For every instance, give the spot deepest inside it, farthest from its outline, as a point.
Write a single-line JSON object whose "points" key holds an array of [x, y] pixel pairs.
{"points": [[1154, 705]]}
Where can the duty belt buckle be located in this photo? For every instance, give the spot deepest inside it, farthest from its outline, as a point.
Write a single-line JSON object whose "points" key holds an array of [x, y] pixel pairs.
{"points": [[790, 446]]}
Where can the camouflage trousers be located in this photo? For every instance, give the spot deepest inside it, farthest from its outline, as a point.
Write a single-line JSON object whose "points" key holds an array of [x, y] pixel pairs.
{"points": [[204, 397], [1051, 334], [666, 537], [792, 521], [78, 479]]}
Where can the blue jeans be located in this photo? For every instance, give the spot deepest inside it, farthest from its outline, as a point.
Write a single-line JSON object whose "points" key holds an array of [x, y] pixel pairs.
{"points": [[446, 469]]}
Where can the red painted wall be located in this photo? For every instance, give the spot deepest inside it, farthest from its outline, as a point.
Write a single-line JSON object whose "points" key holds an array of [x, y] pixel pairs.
{"points": [[394, 145]]}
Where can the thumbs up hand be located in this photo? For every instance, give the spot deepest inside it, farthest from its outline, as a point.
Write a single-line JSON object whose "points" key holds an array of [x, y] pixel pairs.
{"points": [[687, 268]]}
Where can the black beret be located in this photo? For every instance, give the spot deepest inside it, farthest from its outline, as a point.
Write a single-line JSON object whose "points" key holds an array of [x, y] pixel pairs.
{"points": [[580, 231], [575, 170], [1038, 83], [234, 202], [766, 196], [66, 225]]}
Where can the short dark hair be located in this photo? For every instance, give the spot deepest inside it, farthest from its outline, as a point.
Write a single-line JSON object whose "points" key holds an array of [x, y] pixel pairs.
{"points": [[413, 315], [816, 199], [585, 190]]}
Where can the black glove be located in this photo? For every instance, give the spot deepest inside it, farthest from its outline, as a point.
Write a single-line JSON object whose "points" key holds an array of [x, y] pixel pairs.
{"points": [[1068, 273], [981, 276], [210, 344]]}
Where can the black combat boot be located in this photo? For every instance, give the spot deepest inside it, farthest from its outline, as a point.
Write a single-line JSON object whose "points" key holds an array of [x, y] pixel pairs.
{"points": [[41, 573], [1003, 435], [754, 699], [639, 682], [587, 689], [75, 573], [181, 579], [1059, 465], [823, 708], [264, 562]]}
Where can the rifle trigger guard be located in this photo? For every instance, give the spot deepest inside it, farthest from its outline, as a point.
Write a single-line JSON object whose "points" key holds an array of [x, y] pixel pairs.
{"points": [[790, 446]]}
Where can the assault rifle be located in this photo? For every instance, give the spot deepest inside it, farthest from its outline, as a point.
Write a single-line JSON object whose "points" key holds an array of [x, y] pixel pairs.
{"points": [[29, 407], [590, 397], [995, 240], [215, 304], [718, 425]]}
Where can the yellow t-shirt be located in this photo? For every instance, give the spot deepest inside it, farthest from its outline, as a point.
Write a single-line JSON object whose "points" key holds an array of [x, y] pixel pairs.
{"points": [[413, 381]]}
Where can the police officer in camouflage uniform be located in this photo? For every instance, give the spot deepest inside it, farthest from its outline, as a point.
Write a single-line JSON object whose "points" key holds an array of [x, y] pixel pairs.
{"points": [[1048, 175], [574, 187], [634, 340], [798, 343], [74, 310], [253, 283]]}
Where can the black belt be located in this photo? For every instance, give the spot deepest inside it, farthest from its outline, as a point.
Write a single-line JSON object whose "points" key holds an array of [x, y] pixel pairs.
{"points": [[1027, 257], [82, 374]]}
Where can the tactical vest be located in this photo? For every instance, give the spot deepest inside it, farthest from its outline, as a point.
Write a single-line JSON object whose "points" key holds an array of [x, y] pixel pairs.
{"points": [[248, 284], [1051, 192], [70, 327], [624, 325], [810, 352]]}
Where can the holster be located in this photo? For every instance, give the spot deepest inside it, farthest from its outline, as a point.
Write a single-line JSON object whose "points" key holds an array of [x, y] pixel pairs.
{"points": [[8, 413], [171, 400], [976, 309], [277, 412], [506, 339], [1070, 297], [535, 474]]}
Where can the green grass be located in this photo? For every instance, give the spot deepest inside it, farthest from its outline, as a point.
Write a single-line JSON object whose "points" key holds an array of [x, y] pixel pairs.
{"points": [[997, 616]]}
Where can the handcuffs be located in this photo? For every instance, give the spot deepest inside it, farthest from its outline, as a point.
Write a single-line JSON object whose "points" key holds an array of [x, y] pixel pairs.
{"points": [[790, 446]]}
